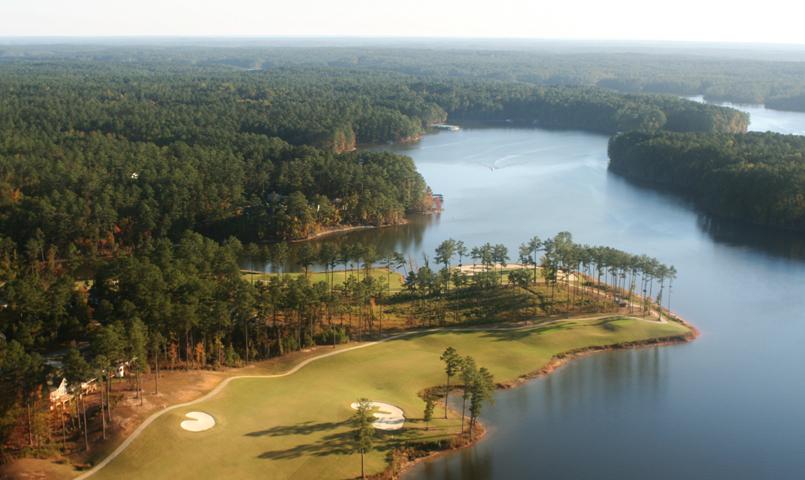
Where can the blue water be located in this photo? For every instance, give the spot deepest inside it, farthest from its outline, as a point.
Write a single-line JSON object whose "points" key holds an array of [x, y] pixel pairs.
{"points": [[729, 405]]}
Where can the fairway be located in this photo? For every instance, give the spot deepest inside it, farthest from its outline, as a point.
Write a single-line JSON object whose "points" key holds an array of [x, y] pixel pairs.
{"points": [[297, 426], [393, 279]]}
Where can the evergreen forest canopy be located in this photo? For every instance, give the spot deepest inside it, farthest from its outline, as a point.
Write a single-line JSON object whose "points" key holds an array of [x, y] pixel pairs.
{"points": [[769, 77], [98, 155], [756, 177], [123, 170]]}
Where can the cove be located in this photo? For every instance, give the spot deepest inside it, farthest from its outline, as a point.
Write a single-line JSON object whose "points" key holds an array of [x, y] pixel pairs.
{"points": [[726, 406]]}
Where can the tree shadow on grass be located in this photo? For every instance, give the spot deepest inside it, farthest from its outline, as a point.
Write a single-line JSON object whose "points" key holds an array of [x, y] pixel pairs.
{"points": [[336, 443], [303, 428], [509, 335], [341, 443]]}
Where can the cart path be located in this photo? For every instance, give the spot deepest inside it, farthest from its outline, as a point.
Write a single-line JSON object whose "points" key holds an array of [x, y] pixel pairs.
{"points": [[148, 421]]}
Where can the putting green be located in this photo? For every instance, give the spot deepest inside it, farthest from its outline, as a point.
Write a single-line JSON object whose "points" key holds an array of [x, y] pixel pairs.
{"points": [[297, 426]]}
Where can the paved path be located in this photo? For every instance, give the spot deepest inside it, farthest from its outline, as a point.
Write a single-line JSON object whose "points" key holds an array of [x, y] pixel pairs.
{"points": [[148, 421]]}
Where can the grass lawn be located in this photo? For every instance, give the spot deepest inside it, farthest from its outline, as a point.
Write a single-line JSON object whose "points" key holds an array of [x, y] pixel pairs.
{"points": [[298, 426], [395, 279]]}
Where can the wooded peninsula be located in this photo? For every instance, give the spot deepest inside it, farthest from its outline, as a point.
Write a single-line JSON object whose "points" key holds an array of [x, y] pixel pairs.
{"points": [[754, 177]]}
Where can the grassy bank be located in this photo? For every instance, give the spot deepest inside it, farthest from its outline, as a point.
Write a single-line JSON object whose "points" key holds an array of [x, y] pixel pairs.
{"points": [[297, 426], [338, 277]]}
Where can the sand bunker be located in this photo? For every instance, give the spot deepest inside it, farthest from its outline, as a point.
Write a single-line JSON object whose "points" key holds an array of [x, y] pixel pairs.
{"points": [[200, 421], [387, 417]]}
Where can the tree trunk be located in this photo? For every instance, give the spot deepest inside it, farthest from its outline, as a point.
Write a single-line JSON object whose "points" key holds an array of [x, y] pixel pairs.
{"points": [[86, 425], [63, 430], [463, 409], [246, 325], [363, 475], [103, 417], [669, 298], [446, 393], [109, 401], [30, 423]]}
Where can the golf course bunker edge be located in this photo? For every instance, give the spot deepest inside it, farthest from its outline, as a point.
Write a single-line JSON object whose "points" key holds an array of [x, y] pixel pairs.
{"points": [[387, 417], [199, 422]]}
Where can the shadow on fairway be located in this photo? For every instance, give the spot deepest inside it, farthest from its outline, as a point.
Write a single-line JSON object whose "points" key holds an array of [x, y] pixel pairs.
{"points": [[334, 444], [509, 335], [497, 333], [304, 428], [341, 443]]}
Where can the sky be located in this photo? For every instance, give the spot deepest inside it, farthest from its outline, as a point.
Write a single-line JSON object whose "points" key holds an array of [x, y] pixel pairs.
{"points": [[769, 21]]}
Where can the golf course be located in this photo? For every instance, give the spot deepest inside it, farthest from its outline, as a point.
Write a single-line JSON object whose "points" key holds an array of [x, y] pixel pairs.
{"points": [[298, 425]]}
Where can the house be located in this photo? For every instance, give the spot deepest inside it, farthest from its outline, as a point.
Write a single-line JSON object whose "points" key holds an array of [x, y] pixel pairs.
{"points": [[437, 202], [59, 395], [444, 126], [123, 368]]}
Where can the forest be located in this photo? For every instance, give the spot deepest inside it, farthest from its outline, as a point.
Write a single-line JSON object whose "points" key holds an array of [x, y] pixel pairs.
{"points": [[94, 193], [189, 306], [130, 183], [754, 177], [740, 76], [98, 157]]}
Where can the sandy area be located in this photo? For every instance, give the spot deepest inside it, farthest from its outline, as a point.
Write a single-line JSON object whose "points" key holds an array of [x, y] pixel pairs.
{"points": [[470, 269], [387, 417], [199, 421]]}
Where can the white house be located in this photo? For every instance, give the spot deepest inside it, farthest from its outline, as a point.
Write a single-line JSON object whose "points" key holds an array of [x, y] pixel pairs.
{"points": [[59, 395]]}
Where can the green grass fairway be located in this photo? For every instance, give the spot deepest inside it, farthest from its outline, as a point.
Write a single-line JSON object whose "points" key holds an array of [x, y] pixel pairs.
{"points": [[297, 426], [395, 278]]}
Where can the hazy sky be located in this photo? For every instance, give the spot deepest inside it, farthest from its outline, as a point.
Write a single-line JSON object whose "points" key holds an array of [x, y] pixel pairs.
{"points": [[773, 21]]}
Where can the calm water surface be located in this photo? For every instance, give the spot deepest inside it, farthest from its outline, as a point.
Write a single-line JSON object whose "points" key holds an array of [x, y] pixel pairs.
{"points": [[767, 120], [730, 405]]}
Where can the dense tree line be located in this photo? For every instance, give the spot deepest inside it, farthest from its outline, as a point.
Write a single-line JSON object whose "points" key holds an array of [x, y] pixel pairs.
{"points": [[89, 193], [584, 108], [589, 274], [325, 107], [755, 177], [187, 305], [788, 102], [100, 156], [174, 305], [735, 75]]}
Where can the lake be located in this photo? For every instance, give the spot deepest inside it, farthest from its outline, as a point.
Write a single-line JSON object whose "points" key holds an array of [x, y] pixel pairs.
{"points": [[729, 405], [766, 120]]}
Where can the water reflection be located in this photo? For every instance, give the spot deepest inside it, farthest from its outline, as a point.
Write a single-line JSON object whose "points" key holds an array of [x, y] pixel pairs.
{"points": [[406, 238], [785, 244], [400, 238], [780, 243], [557, 413], [696, 411], [726, 406], [764, 119]]}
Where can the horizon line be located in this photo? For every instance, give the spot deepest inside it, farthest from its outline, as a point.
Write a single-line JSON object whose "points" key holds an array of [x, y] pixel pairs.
{"points": [[731, 43]]}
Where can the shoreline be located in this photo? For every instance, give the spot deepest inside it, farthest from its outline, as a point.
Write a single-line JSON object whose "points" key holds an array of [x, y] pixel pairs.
{"points": [[556, 362], [411, 454], [333, 231]]}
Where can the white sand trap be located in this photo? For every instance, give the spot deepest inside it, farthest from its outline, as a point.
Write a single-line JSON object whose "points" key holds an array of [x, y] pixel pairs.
{"points": [[200, 421], [387, 417]]}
